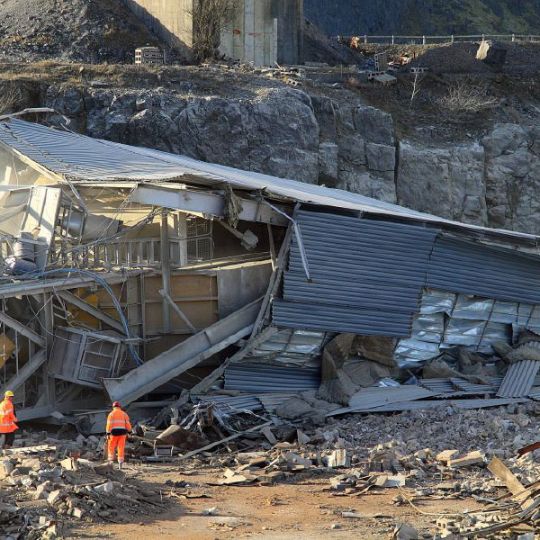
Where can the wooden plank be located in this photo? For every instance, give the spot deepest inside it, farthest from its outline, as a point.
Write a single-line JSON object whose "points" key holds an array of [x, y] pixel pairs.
{"points": [[503, 473]]}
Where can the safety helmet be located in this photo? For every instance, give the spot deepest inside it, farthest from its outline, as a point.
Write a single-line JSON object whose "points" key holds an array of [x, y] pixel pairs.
{"points": [[9, 393], [116, 404]]}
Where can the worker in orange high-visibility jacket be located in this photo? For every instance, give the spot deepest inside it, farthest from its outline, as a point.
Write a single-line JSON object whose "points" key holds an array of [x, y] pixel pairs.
{"points": [[118, 427], [8, 427]]}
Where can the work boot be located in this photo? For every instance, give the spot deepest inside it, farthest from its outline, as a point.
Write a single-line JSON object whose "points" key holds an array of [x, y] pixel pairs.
{"points": [[120, 465]]}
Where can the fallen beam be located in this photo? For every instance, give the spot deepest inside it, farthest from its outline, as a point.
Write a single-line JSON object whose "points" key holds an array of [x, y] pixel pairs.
{"points": [[25, 372], [183, 356], [91, 310], [30, 287], [226, 440], [203, 202], [22, 329]]}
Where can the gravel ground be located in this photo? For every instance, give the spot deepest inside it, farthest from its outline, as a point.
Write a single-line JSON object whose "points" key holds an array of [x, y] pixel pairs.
{"points": [[71, 30]]}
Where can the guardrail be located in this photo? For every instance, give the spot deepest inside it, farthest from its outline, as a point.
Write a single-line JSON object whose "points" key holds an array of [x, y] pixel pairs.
{"points": [[429, 40]]}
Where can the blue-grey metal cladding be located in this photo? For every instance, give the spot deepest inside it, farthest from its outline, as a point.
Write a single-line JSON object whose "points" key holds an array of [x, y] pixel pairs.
{"points": [[519, 379], [263, 378], [366, 275], [468, 268]]}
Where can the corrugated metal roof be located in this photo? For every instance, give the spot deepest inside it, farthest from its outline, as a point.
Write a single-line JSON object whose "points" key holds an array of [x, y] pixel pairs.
{"points": [[432, 404], [473, 388], [366, 275], [232, 404], [264, 378], [370, 398], [519, 379], [246, 402], [469, 268], [438, 385], [82, 158]]}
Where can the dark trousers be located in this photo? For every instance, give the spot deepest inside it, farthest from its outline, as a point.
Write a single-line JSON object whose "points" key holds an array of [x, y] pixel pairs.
{"points": [[9, 439]]}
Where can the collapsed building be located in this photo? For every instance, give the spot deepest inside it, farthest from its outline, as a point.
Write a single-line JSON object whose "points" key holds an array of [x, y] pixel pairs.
{"points": [[157, 280]]}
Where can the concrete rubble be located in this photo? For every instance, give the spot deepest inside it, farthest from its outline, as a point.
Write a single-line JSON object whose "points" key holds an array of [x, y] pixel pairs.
{"points": [[43, 491]]}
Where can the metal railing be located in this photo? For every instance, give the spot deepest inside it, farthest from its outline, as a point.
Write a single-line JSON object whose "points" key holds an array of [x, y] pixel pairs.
{"points": [[433, 40], [131, 253]]}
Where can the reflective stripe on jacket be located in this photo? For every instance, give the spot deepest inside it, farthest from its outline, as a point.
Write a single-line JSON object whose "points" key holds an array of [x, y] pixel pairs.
{"points": [[7, 417], [118, 419]]}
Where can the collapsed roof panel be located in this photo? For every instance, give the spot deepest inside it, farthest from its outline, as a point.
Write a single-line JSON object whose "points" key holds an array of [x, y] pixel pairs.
{"points": [[366, 276], [82, 158], [462, 267]]}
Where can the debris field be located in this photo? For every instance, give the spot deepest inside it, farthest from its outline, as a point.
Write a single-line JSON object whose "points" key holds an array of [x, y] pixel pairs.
{"points": [[273, 331]]}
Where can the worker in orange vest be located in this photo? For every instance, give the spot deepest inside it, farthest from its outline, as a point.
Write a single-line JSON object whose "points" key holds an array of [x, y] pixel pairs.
{"points": [[118, 427], [8, 427]]}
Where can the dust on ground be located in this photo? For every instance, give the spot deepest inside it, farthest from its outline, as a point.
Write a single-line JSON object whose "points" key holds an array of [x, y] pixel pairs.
{"points": [[284, 511]]}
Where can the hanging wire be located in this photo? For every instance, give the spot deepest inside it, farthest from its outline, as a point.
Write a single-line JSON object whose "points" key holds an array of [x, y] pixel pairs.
{"points": [[96, 277]]}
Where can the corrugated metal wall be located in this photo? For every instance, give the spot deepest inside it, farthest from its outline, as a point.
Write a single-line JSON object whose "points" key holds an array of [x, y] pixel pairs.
{"points": [[367, 275], [464, 267]]}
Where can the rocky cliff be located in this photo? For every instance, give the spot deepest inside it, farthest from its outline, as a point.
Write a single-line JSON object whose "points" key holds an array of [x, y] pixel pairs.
{"points": [[287, 132]]}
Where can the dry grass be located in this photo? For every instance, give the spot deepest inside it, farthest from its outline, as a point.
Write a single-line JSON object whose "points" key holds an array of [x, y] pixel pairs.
{"points": [[12, 99], [465, 97]]}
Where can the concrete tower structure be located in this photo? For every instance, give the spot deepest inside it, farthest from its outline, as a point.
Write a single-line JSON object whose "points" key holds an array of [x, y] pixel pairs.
{"points": [[262, 32]]}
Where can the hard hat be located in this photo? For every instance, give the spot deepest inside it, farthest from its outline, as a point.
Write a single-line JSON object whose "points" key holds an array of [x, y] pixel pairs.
{"points": [[116, 404], [9, 393]]}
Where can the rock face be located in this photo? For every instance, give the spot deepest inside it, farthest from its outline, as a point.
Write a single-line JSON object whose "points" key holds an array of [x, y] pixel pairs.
{"points": [[450, 180], [512, 177], [287, 133]]}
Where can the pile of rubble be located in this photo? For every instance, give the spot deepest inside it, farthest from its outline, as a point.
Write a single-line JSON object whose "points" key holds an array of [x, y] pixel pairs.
{"points": [[437, 456], [46, 487], [76, 30]]}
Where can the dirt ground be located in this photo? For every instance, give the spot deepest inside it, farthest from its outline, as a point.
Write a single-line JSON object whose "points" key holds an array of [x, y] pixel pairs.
{"points": [[304, 509]]}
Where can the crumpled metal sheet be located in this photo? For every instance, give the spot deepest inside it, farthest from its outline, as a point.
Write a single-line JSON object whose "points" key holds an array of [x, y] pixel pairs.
{"points": [[448, 320], [434, 301], [485, 309], [528, 316], [504, 312], [472, 308], [288, 347], [429, 328], [477, 334], [413, 352]]}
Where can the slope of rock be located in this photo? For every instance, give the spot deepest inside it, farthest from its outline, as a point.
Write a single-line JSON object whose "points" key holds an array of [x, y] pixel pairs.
{"points": [[75, 30]]}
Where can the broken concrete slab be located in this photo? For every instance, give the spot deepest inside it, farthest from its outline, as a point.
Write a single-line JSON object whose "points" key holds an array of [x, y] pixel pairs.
{"points": [[338, 458], [472, 458], [446, 455], [54, 497]]}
